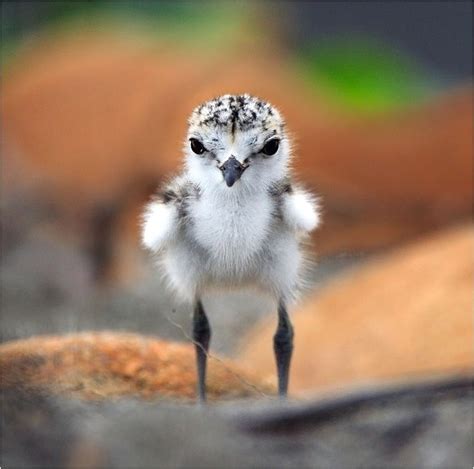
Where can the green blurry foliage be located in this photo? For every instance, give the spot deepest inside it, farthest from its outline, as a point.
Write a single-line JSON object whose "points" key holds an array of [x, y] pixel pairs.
{"points": [[363, 76]]}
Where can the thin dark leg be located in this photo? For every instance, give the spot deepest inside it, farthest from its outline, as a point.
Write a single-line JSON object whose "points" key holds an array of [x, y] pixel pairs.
{"points": [[283, 347], [202, 337]]}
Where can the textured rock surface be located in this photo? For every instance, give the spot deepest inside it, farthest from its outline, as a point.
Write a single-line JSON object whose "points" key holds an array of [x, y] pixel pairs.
{"points": [[404, 314], [109, 365]]}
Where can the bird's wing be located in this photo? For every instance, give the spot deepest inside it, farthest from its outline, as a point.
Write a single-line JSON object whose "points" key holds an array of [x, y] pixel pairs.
{"points": [[165, 212], [299, 209]]}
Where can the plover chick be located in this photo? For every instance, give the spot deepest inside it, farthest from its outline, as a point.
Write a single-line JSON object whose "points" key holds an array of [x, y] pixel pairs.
{"points": [[233, 217]]}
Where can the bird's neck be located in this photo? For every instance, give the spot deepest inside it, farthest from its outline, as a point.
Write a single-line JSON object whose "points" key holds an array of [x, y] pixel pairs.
{"points": [[242, 190]]}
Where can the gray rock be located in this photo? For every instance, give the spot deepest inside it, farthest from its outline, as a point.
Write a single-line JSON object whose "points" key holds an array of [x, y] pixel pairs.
{"points": [[416, 425]]}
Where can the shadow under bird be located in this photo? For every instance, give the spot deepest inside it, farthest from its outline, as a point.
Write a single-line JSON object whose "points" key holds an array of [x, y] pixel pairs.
{"points": [[233, 217]]}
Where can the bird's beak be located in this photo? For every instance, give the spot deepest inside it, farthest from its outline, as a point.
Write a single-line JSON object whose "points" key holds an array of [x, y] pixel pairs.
{"points": [[232, 169]]}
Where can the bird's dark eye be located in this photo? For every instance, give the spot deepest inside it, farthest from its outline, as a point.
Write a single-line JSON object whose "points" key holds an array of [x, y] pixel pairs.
{"points": [[271, 147], [196, 146]]}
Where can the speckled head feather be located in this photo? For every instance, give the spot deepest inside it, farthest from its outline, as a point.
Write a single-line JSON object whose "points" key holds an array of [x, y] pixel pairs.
{"points": [[235, 130], [234, 112]]}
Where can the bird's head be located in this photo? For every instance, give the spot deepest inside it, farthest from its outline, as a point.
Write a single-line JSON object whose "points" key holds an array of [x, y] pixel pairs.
{"points": [[236, 142]]}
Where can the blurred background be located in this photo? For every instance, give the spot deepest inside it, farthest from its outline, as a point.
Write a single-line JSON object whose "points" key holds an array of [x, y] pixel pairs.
{"points": [[378, 96]]}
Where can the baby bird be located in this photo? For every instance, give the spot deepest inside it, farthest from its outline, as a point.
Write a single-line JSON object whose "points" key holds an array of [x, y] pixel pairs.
{"points": [[233, 217]]}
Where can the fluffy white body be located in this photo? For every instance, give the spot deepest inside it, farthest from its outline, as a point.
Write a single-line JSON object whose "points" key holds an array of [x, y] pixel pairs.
{"points": [[207, 234]]}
